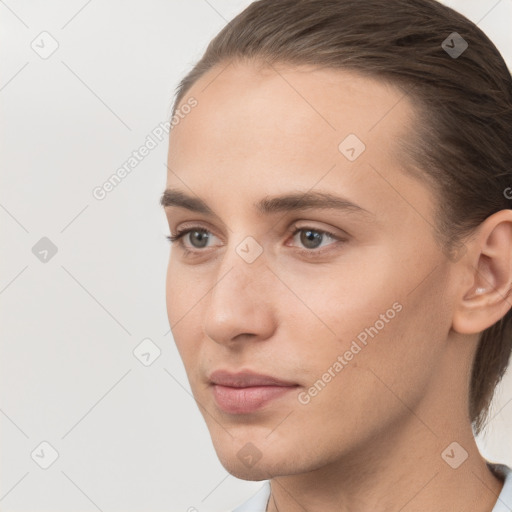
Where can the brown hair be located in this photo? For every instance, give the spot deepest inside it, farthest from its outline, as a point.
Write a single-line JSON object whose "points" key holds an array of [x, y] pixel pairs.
{"points": [[462, 138]]}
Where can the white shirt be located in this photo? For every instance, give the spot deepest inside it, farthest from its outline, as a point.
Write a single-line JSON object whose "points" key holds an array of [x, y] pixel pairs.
{"points": [[258, 502]]}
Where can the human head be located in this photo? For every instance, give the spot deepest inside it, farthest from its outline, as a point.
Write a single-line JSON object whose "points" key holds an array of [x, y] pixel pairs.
{"points": [[467, 169]]}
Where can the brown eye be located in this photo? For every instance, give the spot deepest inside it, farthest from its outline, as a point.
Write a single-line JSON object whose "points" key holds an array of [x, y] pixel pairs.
{"points": [[312, 238]]}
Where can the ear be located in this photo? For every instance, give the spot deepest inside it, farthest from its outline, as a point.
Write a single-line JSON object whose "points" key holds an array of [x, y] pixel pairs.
{"points": [[487, 266]]}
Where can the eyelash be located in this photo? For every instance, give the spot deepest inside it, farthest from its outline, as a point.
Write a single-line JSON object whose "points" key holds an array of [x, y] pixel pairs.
{"points": [[311, 253]]}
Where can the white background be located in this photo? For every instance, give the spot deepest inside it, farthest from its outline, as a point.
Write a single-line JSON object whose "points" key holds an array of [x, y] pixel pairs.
{"points": [[129, 437]]}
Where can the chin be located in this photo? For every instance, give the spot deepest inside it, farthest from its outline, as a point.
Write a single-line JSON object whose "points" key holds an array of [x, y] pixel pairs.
{"points": [[261, 470], [242, 472], [247, 462]]}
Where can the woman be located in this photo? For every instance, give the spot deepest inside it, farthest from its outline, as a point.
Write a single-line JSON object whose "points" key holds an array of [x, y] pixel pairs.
{"points": [[338, 285]]}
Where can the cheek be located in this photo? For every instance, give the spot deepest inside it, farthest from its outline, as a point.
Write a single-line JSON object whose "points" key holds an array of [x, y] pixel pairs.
{"points": [[173, 290], [353, 389], [347, 294], [184, 291], [330, 308], [365, 323], [183, 303]]}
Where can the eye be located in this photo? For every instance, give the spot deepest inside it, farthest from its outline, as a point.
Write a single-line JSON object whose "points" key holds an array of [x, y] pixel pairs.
{"points": [[202, 236], [310, 238]]}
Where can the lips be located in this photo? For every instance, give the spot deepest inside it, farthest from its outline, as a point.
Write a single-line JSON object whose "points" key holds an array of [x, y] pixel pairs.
{"points": [[246, 391], [246, 379]]}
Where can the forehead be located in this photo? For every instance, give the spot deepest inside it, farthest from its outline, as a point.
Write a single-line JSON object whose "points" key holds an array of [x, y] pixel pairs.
{"points": [[259, 128], [294, 110]]}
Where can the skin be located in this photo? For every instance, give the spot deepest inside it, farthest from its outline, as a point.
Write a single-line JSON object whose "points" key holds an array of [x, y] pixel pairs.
{"points": [[384, 420]]}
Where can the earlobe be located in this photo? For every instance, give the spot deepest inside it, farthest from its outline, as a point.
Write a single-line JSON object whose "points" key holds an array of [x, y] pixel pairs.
{"points": [[489, 263]]}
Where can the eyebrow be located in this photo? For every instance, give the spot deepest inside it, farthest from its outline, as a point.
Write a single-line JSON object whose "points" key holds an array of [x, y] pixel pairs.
{"points": [[287, 202]]}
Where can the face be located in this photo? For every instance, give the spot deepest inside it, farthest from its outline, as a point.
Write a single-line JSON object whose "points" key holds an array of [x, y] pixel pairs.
{"points": [[342, 303]]}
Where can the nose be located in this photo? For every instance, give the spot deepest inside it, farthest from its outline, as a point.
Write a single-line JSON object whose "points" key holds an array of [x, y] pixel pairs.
{"points": [[240, 304]]}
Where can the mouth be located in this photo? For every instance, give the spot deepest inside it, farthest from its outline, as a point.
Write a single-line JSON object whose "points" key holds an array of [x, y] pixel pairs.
{"points": [[246, 392]]}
